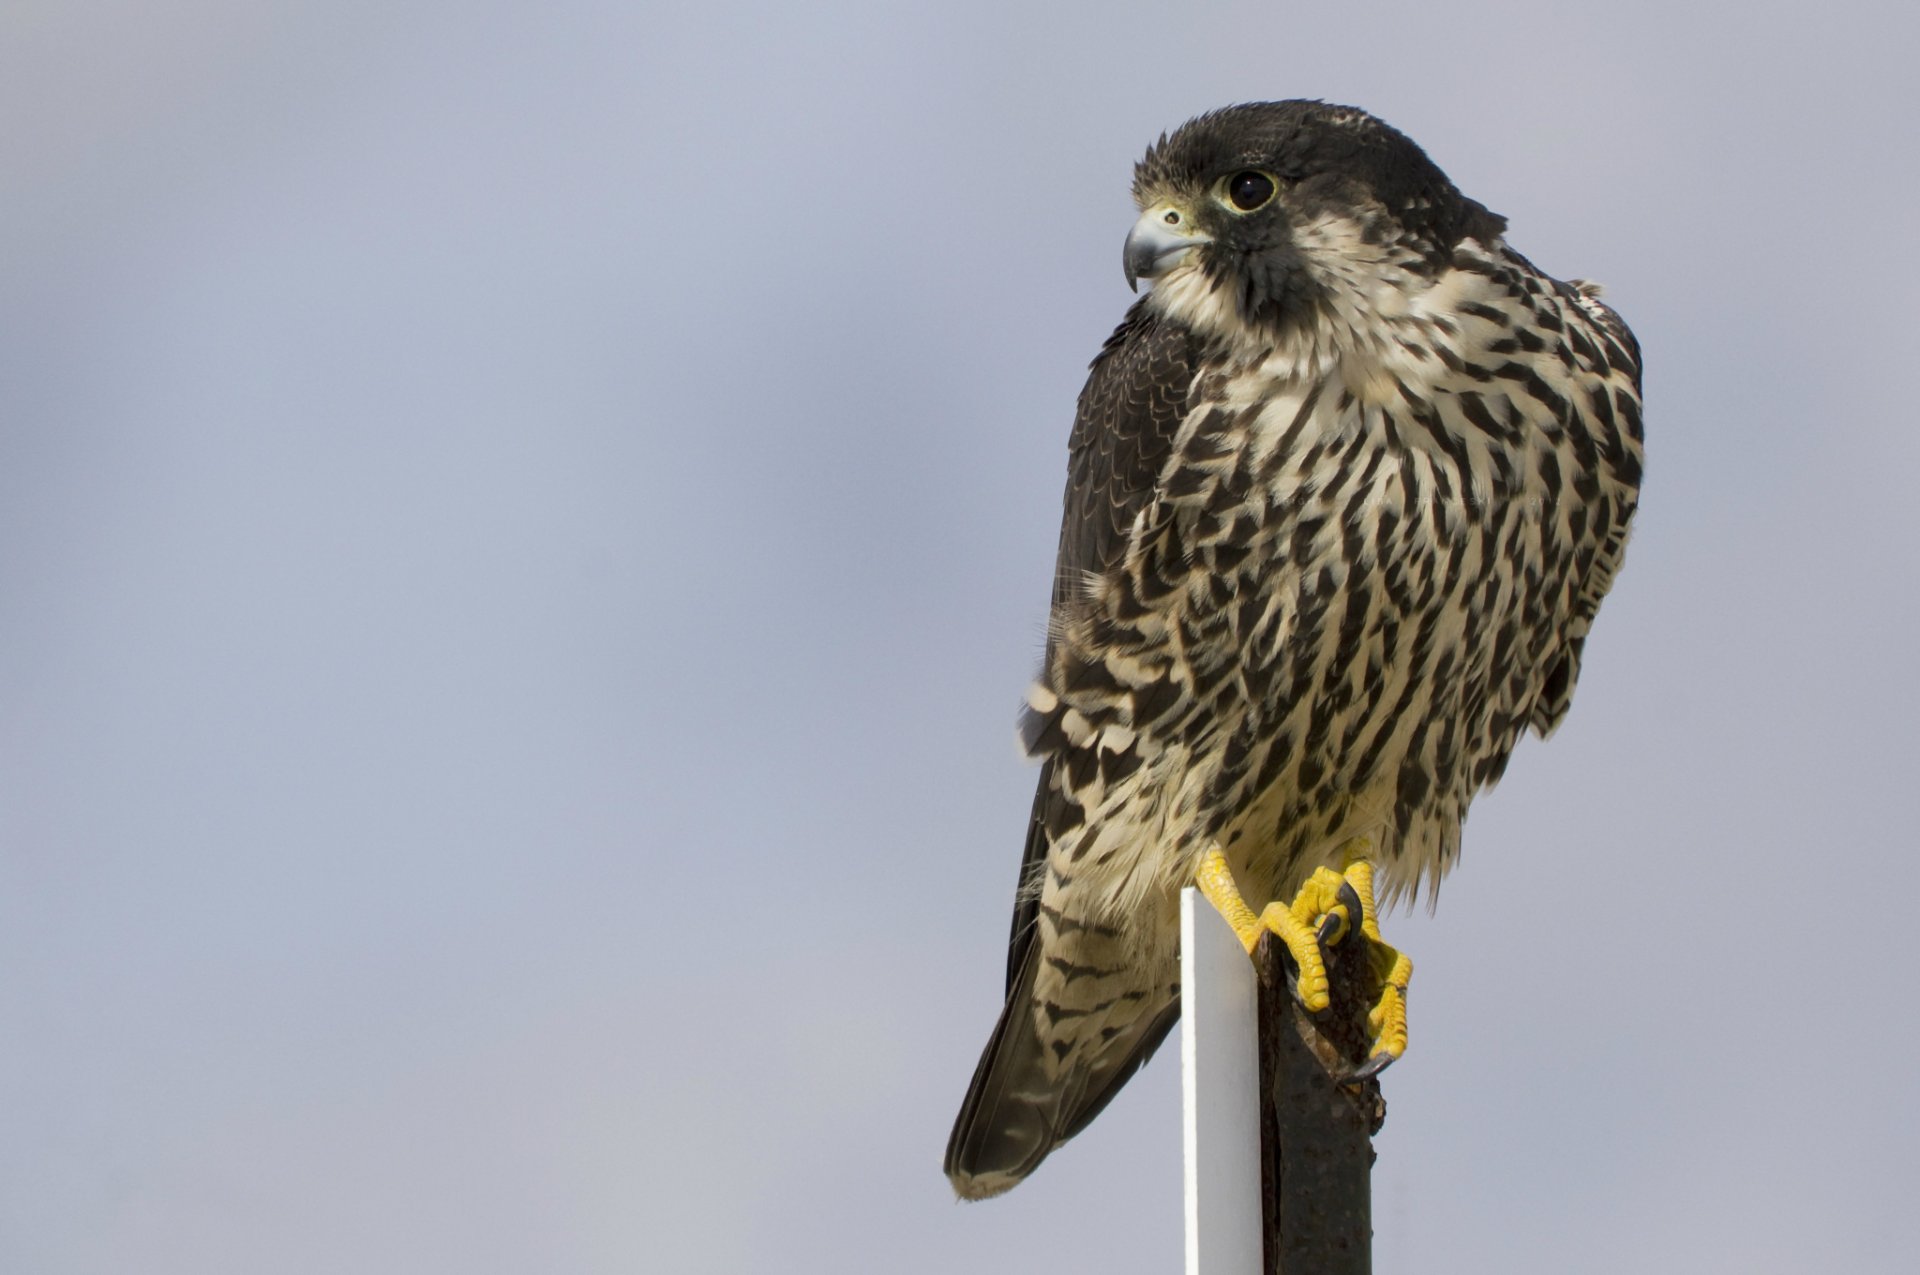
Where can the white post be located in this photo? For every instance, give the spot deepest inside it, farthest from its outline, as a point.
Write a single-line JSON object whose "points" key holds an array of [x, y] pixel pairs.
{"points": [[1220, 1093]]}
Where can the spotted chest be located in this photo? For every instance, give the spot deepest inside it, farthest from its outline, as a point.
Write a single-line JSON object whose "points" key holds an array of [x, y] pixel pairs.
{"points": [[1363, 573]]}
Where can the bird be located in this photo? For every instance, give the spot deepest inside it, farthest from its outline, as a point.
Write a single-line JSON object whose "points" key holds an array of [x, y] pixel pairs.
{"points": [[1345, 490]]}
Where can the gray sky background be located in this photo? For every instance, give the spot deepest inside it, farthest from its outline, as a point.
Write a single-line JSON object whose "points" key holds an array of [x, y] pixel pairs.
{"points": [[523, 531]]}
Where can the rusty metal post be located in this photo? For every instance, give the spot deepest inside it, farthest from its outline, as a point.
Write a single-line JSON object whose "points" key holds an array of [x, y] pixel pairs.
{"points": [[1316, 1132]]}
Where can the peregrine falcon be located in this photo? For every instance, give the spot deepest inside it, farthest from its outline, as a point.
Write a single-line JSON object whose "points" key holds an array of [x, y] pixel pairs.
{"points": [[1344, 492]]}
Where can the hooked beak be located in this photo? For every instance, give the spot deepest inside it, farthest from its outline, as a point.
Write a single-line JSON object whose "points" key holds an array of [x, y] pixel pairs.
{"points": [[1158, 242]]}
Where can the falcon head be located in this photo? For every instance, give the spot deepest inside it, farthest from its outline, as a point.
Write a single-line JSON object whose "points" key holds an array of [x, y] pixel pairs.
{"points": [[1260, 219]]}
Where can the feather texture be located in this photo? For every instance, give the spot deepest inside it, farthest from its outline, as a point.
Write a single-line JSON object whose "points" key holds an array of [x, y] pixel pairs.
{"points": [[1324, 557]]}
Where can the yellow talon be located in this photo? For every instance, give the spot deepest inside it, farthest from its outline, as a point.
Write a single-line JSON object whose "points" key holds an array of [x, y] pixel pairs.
{"points": [[1300, 939], [1391, 968], [1319, 915], [1295, 924], [1388, 1017], [1216, 882]]}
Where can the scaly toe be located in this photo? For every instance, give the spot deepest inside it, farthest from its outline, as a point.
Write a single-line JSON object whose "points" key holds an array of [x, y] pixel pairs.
{"points": [[1388, 1017], [1310, 981], [1390, 972]]}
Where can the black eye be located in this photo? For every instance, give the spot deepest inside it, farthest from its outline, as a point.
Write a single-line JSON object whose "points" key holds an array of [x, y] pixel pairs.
{"points": [[1249, 190]]}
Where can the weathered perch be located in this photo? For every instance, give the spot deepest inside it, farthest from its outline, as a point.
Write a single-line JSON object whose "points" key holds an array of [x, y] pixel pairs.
{"points": [[1316, 1129], [1278, 1152]]}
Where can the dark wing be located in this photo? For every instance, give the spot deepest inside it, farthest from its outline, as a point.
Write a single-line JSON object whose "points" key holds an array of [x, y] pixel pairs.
{"points": [[1131, 407], [1614, 423], [1014, 1112]]}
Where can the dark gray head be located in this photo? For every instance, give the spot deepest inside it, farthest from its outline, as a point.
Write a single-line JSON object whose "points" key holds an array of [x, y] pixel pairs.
{"points": [[1277, 205]]}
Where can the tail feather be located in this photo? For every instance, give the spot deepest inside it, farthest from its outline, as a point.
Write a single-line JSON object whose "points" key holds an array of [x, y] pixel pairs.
{"points": [[1019, 1108]]}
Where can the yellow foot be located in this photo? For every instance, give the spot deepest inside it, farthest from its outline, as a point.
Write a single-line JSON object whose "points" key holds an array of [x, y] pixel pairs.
{"points": [[1389, 972], [1322, 915]]}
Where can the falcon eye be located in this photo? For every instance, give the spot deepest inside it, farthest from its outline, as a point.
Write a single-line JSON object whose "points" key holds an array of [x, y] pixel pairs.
{"points": [[1249, 190]]}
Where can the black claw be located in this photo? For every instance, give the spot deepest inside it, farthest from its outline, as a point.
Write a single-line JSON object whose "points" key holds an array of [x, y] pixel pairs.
{"points": [[1351, 898], [1371, 1067], [1344, 919]]}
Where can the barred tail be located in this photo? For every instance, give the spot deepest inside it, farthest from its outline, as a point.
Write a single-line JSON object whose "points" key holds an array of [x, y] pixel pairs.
{"points": [[1020, 1106]]}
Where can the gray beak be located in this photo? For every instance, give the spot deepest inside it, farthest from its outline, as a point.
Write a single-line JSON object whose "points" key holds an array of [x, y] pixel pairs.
{"points": [[1158, 242]]}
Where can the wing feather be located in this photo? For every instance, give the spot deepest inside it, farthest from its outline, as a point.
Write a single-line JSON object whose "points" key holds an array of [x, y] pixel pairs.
{"points": [[1123, 429], [1016, 1111]]}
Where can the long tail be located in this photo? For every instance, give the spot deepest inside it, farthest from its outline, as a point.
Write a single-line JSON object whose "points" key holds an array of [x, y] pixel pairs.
{"points": [[1029, 1095]]}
